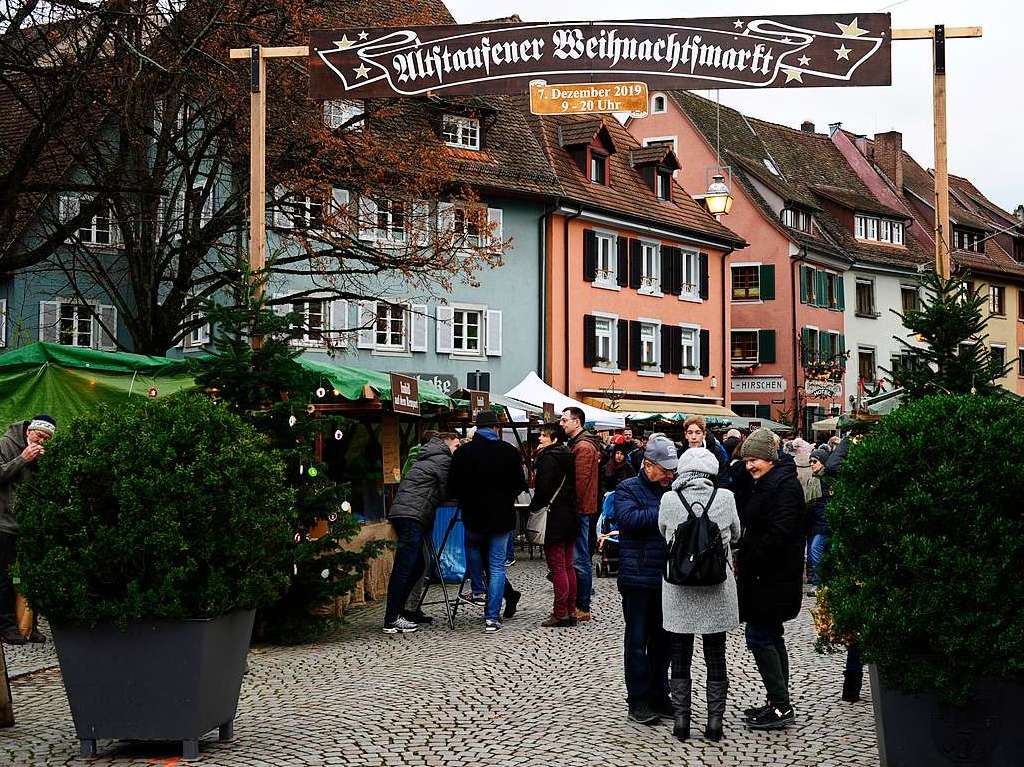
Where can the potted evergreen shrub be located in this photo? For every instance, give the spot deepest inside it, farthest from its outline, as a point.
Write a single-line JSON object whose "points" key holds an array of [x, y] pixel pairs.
{"points": [[149, 535], [924, 571]]}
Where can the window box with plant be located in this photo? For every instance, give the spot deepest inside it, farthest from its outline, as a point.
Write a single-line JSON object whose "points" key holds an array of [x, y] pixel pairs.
{"points": [[153, 533]]}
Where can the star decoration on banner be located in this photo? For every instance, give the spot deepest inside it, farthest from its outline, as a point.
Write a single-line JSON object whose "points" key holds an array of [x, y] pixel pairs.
{"points": [[804, 61], [362, 71], [737, 23], [851, 29], [842, 52], [794, 74], [363, 35], [344, 43]]}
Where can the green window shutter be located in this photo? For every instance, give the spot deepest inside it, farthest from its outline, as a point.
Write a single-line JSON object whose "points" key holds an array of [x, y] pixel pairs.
{"points": [[824, 344], [804, 283], [805, 342], [842, 349], [842, 292], [821, 289], [766, 346], [767, 282], [763, 412]]}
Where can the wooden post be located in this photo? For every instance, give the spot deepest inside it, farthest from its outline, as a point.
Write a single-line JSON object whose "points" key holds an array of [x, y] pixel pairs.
{"points": [[6, 704], [938, 37], [257, 164]]}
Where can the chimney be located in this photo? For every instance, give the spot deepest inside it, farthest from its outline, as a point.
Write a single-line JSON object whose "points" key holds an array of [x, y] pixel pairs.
{"points": [[807, 126], [861, 142], [889, 156]]}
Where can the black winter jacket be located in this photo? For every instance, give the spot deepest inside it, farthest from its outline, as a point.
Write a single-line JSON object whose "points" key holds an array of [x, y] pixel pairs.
{"points": [[770, 562], [642, 548], [487, 476], [556, 466], [424, 486]]}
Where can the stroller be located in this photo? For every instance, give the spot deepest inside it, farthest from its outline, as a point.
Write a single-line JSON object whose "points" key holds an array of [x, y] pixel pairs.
{"points": [[607, 541]]}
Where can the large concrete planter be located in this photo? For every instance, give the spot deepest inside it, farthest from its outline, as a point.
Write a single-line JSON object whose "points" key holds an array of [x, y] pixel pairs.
{"points": [[919, 731], [173, 680]]}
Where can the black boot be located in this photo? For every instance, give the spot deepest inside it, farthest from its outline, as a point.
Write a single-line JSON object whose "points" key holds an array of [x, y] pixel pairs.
{"points": [[679, 690], [717, 692], [852, 682]]}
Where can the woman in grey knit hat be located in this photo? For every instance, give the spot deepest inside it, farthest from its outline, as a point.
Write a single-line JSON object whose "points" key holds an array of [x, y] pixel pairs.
{"points": [[706, 610]]}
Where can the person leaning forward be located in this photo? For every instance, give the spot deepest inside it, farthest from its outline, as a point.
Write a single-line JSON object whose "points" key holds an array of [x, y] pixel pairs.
{"points": [[20, 449], [486, 477]]}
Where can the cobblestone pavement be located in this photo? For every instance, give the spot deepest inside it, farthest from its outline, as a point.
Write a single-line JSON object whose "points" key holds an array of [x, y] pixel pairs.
{"points": [[525, 696]]}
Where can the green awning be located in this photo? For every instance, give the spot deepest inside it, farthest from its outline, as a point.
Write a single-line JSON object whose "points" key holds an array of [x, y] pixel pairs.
{"points": [[350, 381]]}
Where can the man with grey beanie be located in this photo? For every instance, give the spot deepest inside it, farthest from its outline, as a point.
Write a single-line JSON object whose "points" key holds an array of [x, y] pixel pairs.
{"points": [[770, 565], [20, 448]]}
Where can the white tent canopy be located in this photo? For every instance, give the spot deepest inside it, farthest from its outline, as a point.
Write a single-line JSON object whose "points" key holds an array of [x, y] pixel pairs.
{"points": [[533, 391]]}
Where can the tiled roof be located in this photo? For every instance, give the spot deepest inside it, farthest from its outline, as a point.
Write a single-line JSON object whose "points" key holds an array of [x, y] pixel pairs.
{"points": [[628, 195], [582, 132], [811, 171]]}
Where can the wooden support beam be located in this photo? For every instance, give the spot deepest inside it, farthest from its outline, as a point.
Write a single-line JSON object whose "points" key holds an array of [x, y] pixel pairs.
{"points": [[928, 34], [283, 52]]}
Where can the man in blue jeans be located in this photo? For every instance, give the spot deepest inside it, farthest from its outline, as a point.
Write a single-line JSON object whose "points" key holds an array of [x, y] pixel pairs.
{"points": [[586, 451], [487, 476], [642, 554]]}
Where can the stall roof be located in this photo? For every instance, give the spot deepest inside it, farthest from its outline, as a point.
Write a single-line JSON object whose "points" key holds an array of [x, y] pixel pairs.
{"points": [[351, 382], [744, 423], [669, 410], [533, 391]]}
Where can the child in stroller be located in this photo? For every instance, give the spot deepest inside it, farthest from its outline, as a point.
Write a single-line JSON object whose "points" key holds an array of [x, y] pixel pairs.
{"points": [[607, 539]]}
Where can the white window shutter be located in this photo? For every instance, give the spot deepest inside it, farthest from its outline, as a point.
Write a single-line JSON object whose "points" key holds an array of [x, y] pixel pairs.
{"points": [[443, 341], [367, 325], [282, 218], [337, 321], [418, 322], [445, 219], [493, 338], [367, 218], [70, 204], [339, 209], [208, 206], [115, 230], [49, 316], [3, 322], [106, 327], [421, 222], [494, 219]]}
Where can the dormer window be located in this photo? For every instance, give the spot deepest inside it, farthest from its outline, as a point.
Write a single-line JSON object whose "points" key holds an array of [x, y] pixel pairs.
{"points": [[658, 104], [598, 168], [663, 184], [878, 229], [796, 219], [461, 132], [968, 239]]}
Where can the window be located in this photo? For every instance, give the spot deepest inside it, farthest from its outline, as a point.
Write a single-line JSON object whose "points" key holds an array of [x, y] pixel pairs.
{"points": [[746, 283], [199, 335], [461, 132], [1020, 303], [466, 326], [998, 355], [649, 335], [968, 239], [866, 298], [997, 300], [812, 345], [469, 223], [390, 328], [342, 112], [908, 298], [832, 285], [100, 230], [650, 265], [604, 330], [598, 168], [663, 185], [75, 328], [691, 275], [306, 212], [658, 104], [606, 260], [878, 229], [313, 323], [866, 365], [78, 323], [1020, 362], [391, 220], [690, 356], [744, 346], [797, 219]]}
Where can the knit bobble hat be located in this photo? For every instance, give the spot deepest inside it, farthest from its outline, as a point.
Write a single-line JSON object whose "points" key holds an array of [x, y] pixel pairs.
{"points": [[820, 455], [760, 444]]}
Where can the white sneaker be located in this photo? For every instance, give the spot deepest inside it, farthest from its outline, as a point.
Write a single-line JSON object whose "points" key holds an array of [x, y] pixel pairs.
{"points": [[400, 626], [492, 627]]}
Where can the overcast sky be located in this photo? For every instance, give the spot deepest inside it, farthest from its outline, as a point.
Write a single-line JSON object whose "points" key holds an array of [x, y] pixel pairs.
{"points": [[984, 76]]}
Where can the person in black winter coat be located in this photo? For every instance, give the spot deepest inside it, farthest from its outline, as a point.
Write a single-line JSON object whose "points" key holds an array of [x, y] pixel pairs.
{"points": [[642, 554], [555, 486], [423, 487], [769, 571], [487, 476], [616, 469]]}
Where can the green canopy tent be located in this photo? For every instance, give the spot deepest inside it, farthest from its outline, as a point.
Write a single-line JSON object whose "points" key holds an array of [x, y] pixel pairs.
{"points": [[66, 381]]}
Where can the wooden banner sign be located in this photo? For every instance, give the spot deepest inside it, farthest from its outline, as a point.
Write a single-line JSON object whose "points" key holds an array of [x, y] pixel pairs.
{"points": [[405, 394], [588, 98], [702, 53], [479, 400]]}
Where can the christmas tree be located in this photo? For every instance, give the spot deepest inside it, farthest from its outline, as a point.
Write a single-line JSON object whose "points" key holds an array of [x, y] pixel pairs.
{"points": [[950, 355], [265, 385]]}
